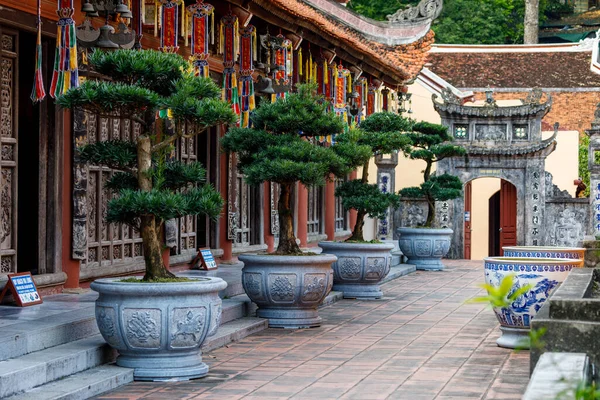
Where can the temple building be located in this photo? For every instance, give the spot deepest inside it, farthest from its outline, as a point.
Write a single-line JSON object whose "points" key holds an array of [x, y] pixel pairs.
{"points": [[52, 206]]}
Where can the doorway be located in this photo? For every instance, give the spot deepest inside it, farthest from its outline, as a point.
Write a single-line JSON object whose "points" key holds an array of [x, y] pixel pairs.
{"points": [[490, 218]]}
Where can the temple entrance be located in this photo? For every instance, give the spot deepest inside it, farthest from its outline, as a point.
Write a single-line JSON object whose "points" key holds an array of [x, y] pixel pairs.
{"points": [[490, 218]]}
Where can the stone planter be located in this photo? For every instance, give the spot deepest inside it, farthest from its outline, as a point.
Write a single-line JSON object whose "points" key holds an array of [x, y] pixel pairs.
{"points": [[158, 328], [425, 247], [572, 253], [543, 274], [359, 268], [288, 289]]}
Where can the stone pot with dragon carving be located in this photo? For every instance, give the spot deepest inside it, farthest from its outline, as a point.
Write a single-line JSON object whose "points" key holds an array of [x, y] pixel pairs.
{"points": [[425, 247], [543, 274], [158, 328], [288, 289], [360, 267]]}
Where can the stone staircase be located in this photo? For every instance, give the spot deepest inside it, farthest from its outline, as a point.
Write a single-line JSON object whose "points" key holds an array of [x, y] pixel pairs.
{"points": [[54, 350]]}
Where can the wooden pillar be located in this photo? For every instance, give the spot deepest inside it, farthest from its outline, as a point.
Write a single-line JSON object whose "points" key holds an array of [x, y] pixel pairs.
{"points": [[352, 217], [302, 228], [224, 243], [268, 236], [330, 210], [71, 267]]}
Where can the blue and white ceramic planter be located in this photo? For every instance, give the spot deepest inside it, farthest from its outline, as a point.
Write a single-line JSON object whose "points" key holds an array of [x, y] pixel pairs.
{"points": [[543, 274], [572, 253]]}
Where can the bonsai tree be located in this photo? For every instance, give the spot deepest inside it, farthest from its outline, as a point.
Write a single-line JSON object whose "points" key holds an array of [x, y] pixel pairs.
{"points": [[278, 149], [151, 189], [383, 133], [429, 142]]}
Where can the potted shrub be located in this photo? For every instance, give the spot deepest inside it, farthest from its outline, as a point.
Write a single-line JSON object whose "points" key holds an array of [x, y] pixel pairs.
{"points": [[288, 285], [159, 322], [361, 265], [425, 246]]}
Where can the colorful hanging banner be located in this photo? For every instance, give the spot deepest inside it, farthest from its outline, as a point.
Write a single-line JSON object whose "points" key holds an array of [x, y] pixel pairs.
{"points": [[169, 27], [247, 57], [66, 73], [371, 99], [361, 87], [229, 46], [342, 85], [283, 62], [38, 93], [203, 27]]}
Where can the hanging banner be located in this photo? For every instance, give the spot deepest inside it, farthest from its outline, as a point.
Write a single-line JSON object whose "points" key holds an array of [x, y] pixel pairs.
{"points": [[342, 85], [38, 93], [361, 87], [229, 47], [371, 99], [66, 73], [169, 27], [203, 27], [247, 57], [323, 78], [283, 64]]}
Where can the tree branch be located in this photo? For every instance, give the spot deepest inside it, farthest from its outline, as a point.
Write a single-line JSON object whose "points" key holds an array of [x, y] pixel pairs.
{"points": [[165, 143]]}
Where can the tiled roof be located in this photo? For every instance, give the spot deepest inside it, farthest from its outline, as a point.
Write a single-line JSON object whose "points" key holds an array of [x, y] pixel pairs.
{"points": [[400, 63], [505, 69]]}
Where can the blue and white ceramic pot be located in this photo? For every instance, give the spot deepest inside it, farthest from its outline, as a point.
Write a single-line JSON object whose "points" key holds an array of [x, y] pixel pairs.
{"points": [[572, 253], [543, 274], [158, 328]]}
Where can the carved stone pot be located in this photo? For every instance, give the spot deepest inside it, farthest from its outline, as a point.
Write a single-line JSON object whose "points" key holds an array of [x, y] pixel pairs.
{"points": [[425, 247], [288, 289], [158, 328], [543, 274], [359, 268]]}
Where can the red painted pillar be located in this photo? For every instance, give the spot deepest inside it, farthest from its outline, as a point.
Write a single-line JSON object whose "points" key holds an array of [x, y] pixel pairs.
{"points": [[224, 243], [70, 266], [330, 210], [352, 217], [268, 236], [302, 229]]}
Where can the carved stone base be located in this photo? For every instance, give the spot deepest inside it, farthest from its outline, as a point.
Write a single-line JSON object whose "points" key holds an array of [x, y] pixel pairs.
{"points": [[288, 289], [513, 338], [158, 328], [360, 267]]}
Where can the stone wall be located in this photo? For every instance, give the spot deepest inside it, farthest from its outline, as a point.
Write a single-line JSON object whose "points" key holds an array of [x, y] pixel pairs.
{"points": [[566, 222], [412, 212]]}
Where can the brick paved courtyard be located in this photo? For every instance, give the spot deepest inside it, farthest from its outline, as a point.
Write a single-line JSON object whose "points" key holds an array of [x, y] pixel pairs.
{"points": [[421, 341]]}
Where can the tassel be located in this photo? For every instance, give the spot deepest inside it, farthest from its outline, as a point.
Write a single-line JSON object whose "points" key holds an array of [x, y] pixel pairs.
{"points": [[212, 28], [300, 61]]}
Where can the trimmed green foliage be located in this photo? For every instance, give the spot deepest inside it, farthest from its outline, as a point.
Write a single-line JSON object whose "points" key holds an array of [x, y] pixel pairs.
{"points": [[429, 142], [116, 154], [358, 195]]}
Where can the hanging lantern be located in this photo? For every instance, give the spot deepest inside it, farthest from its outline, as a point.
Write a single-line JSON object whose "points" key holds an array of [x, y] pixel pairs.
{"points": [[203, 27], [229, 47], [247, 57], [66, 73], [169, 26]]}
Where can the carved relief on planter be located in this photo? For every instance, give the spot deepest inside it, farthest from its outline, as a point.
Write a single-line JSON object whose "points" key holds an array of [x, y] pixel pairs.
{"points": [[253, 284], [376, 267], [106, 318], [186, 326], [215, 319], [441, 247], [349, 267], [422, 247], [314, 286], [143, 327], [282, 287]]}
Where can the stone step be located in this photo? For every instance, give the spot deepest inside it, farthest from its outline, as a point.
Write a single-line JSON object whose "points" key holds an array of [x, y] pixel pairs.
{"points": [[48, 365], [82, 385]]}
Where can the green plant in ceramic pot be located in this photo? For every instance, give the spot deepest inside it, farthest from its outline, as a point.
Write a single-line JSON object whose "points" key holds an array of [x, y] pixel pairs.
{"points": [[158, 323], [288, 285], [362, 265], [429, 143]]}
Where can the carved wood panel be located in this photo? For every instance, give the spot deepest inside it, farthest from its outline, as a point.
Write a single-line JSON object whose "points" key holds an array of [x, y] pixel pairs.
{"points": [[107, 244], [341, 215], [8, 144], [187, 153]]}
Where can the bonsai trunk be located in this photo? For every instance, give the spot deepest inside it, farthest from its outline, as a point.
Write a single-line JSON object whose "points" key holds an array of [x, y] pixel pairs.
{"points": [[148, 227], [430, 200], [357, 232], [287, 240]]}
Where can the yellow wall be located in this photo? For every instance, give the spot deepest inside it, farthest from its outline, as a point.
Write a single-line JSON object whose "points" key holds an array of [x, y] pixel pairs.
{"points": [[563, 163], [482, 189]]}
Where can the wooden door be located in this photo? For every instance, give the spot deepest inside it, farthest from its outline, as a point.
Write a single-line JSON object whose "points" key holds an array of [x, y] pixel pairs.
{"points": [[508, 214], [468, 200]]}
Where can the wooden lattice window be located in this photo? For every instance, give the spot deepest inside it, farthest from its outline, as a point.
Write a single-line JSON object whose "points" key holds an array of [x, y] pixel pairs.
{"points": [[341, 215], [315, 210]]}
